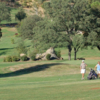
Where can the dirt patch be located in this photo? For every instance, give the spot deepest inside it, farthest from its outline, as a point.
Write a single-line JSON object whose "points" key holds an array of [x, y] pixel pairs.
{"points": [[92, 58], [96, 88], [12, 29]]}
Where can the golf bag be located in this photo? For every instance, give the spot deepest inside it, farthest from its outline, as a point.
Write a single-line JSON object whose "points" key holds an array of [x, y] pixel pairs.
{"points": [[92, 75]]}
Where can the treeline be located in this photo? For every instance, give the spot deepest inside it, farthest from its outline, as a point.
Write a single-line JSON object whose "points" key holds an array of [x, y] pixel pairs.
{"points": [[60, 26], [23, 3]]}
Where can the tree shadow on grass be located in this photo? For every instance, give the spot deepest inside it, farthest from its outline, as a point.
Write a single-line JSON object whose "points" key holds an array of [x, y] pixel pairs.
{"points": [[29, 70], [3, 51]]}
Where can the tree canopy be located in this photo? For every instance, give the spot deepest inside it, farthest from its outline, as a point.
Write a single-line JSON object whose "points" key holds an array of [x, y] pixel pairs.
{"points": [[45, 36], [4, 12], [69, 16], [27, 25], [20, 14]]}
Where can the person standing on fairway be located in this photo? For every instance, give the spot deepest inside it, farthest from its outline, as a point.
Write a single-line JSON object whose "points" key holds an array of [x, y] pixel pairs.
{"points": [[98, 68], [83, 69]]}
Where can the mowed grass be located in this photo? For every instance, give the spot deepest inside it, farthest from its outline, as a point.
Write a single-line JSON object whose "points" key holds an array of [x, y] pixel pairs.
{"points": [[46, 80], [13, 12], [49, 81]]}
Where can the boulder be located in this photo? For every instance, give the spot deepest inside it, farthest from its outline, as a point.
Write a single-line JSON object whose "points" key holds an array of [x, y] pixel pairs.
{"points": [[49, 51], [22, 54]]}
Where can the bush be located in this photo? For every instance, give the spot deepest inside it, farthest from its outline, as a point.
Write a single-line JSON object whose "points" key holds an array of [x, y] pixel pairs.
{"points": [[24, 58], [12, 41], [21, 48], [15, 58], [8, 59], [4, 60], [48, 56], [33, 57], [58, 53]]}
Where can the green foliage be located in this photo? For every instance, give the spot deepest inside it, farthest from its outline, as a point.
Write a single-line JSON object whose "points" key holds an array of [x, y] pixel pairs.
{"points": [[15, 58], [21, 48], [41, 1], [8, 59], [69, 16], [58, 53], [11, 58], [24, 58], [17, 3], [48, 56], [94, 29], [27, 25], [4, 12], [12, 41], [96, 5], [46, 36], [78, 42], [20, 14], [33, 56]]}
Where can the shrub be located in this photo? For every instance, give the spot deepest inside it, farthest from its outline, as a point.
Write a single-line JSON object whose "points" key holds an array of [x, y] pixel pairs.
{"points": [[21, 48], [58, 53], [8, 59], [24, 58], [33, 57], [15, 58], [4, 59], [12, 41], [48, 56]]}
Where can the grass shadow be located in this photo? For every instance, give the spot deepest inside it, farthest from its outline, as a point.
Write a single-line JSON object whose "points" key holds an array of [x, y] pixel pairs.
{"points": [[3, 51], [29, 70]]}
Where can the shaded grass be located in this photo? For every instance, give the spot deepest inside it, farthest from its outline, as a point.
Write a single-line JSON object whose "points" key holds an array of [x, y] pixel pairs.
{"points": [[13, 12]]}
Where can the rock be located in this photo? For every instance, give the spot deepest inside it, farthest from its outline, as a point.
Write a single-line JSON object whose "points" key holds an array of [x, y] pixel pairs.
{"points": [[22, 54], [38, 56], [49, 51]]}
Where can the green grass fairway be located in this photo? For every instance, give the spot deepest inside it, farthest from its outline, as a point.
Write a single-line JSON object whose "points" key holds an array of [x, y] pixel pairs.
{"points": [[49, 88], [46, 80], [13, 12]]}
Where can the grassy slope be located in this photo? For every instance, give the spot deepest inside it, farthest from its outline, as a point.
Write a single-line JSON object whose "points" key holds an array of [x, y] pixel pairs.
{"points": [[45, 80], [13, 12]]}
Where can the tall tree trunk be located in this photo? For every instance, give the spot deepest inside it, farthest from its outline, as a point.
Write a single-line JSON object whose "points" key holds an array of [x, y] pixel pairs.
{"points": [[75, 53], [69, 52]]}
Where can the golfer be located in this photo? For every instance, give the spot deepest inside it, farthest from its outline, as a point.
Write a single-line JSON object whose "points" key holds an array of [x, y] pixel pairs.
{"points": [[83, 69], [98, 68]]}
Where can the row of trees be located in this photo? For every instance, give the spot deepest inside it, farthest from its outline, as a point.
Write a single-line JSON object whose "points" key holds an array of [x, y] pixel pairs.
{"points": [[63, 19]]}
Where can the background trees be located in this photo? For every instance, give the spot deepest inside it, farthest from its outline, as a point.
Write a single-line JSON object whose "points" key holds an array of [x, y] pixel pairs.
{"points": [[63, 19], [94, 27], [27, 25], [69, 16], [20, 15], [4, 12], [46, 36]]}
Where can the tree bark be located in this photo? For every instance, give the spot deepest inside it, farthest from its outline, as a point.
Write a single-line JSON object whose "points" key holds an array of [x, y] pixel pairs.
{"points": [[75, 53], [69, 52]]}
